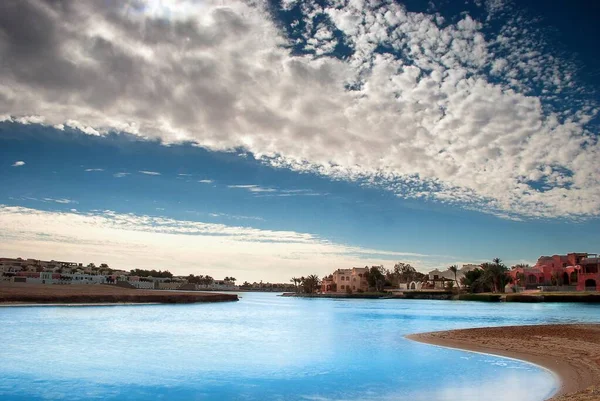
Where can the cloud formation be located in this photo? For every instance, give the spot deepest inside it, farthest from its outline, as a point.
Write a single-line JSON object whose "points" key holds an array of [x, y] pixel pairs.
{"points": [[18, 163], [181, 246], [146, 172], [475, 111]]}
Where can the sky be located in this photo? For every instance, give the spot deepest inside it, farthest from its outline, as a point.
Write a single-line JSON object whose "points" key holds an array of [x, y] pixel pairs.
{"points": [[271, 139]]}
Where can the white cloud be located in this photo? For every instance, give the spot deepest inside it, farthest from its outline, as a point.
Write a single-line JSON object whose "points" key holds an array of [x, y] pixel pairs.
{"points": [[127, 241], [121, 175], [18, 163], [146, 172], [273, 192], [235, 217], [469, 114], [94, 169], [252, 188], [206, 181], [63, 201]]}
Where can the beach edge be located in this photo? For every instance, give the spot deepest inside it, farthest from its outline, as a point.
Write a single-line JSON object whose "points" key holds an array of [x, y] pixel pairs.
{"points": [[573, 377]]}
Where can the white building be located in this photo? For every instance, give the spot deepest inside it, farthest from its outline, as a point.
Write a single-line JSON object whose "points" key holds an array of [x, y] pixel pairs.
{"points": [[437, 274]]}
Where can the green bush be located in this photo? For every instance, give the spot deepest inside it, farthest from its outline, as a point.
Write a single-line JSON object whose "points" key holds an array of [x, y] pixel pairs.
{"points": [[480, 297]]}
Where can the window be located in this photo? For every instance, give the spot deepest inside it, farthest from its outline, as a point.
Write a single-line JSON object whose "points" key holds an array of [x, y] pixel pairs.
{"points": [[342, 287], [347, 278], [353, 287], [342, 278], [353, 278]]}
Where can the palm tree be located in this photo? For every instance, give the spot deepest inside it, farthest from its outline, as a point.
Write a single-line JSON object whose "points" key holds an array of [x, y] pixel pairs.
{"points": [[494, 275], [295, 280], [310, 283], [454, 269]]}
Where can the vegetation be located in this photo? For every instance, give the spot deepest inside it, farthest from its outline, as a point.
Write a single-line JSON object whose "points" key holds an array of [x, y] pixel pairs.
{"points": [[480, 297], [310, 284], [404, 273], [491, 277], [153, 273], [376, 278], [201, 279], [296, 281], [454, 269]]}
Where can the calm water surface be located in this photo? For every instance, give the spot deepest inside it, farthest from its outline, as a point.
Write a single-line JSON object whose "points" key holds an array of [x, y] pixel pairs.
{"points": [[266, 348]]}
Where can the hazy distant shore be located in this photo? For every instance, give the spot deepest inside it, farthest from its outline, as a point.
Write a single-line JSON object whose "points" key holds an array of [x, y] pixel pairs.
{"points": [[572, 352], [100, 294]]}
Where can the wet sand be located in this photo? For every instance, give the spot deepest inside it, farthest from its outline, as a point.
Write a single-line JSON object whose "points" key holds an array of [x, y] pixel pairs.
{"points": [[571, 351], [14, 294]]}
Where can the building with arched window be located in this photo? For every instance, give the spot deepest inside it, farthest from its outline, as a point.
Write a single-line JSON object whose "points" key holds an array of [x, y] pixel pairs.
{"points": [[580, 270], [346, 280]]}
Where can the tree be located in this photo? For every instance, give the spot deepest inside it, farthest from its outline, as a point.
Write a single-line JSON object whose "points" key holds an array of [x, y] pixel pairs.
{"points": [[495, 275], [296, 281], [310, 283], [521, 266], [405, 272], [376, 278], [473, 281], [454, 269], [521, 279]]}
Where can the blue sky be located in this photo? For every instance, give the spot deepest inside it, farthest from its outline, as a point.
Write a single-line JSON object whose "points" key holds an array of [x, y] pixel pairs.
{"points": [[292, 138]]}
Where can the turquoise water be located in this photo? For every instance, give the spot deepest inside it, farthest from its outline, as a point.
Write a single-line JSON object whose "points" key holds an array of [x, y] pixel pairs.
{"points": [[266, 348]]}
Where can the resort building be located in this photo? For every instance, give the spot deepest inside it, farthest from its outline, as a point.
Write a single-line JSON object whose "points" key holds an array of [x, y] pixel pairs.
{"points": [[438, 279], [346, 280], [581, 271]]}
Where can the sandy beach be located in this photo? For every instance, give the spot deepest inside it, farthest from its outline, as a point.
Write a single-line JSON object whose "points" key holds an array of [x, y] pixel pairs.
{"points": [[100, 294], [572, 352]]}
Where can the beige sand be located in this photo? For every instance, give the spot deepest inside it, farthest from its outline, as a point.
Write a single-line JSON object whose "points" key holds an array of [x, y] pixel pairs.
{"points": [[571, 351]]}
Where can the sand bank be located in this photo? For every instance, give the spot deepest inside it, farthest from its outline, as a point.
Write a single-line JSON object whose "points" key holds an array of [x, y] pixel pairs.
{"points": [[100, 294], [572, 351]]}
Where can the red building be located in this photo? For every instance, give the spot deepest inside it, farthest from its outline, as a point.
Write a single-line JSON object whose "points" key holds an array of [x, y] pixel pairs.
{"points": [[576, 269]]}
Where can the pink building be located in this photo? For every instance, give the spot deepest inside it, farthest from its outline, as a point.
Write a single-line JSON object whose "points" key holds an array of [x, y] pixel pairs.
{"points": [[346, 280], [576, 269]]}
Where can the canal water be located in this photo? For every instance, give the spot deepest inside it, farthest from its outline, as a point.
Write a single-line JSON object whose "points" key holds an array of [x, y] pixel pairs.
{"points": [[266, 347]]}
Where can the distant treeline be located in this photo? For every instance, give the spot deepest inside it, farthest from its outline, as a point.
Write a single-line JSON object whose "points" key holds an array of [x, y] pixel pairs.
{"points": [[153, 273]]}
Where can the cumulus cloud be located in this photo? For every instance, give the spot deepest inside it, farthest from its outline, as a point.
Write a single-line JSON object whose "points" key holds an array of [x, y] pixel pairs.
{"points": [[476, 112], [18, 163], [158, 242]]}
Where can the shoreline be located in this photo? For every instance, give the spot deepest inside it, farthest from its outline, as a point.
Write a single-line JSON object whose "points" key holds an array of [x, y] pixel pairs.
{"points": [[100, 295], [571, 352]]}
